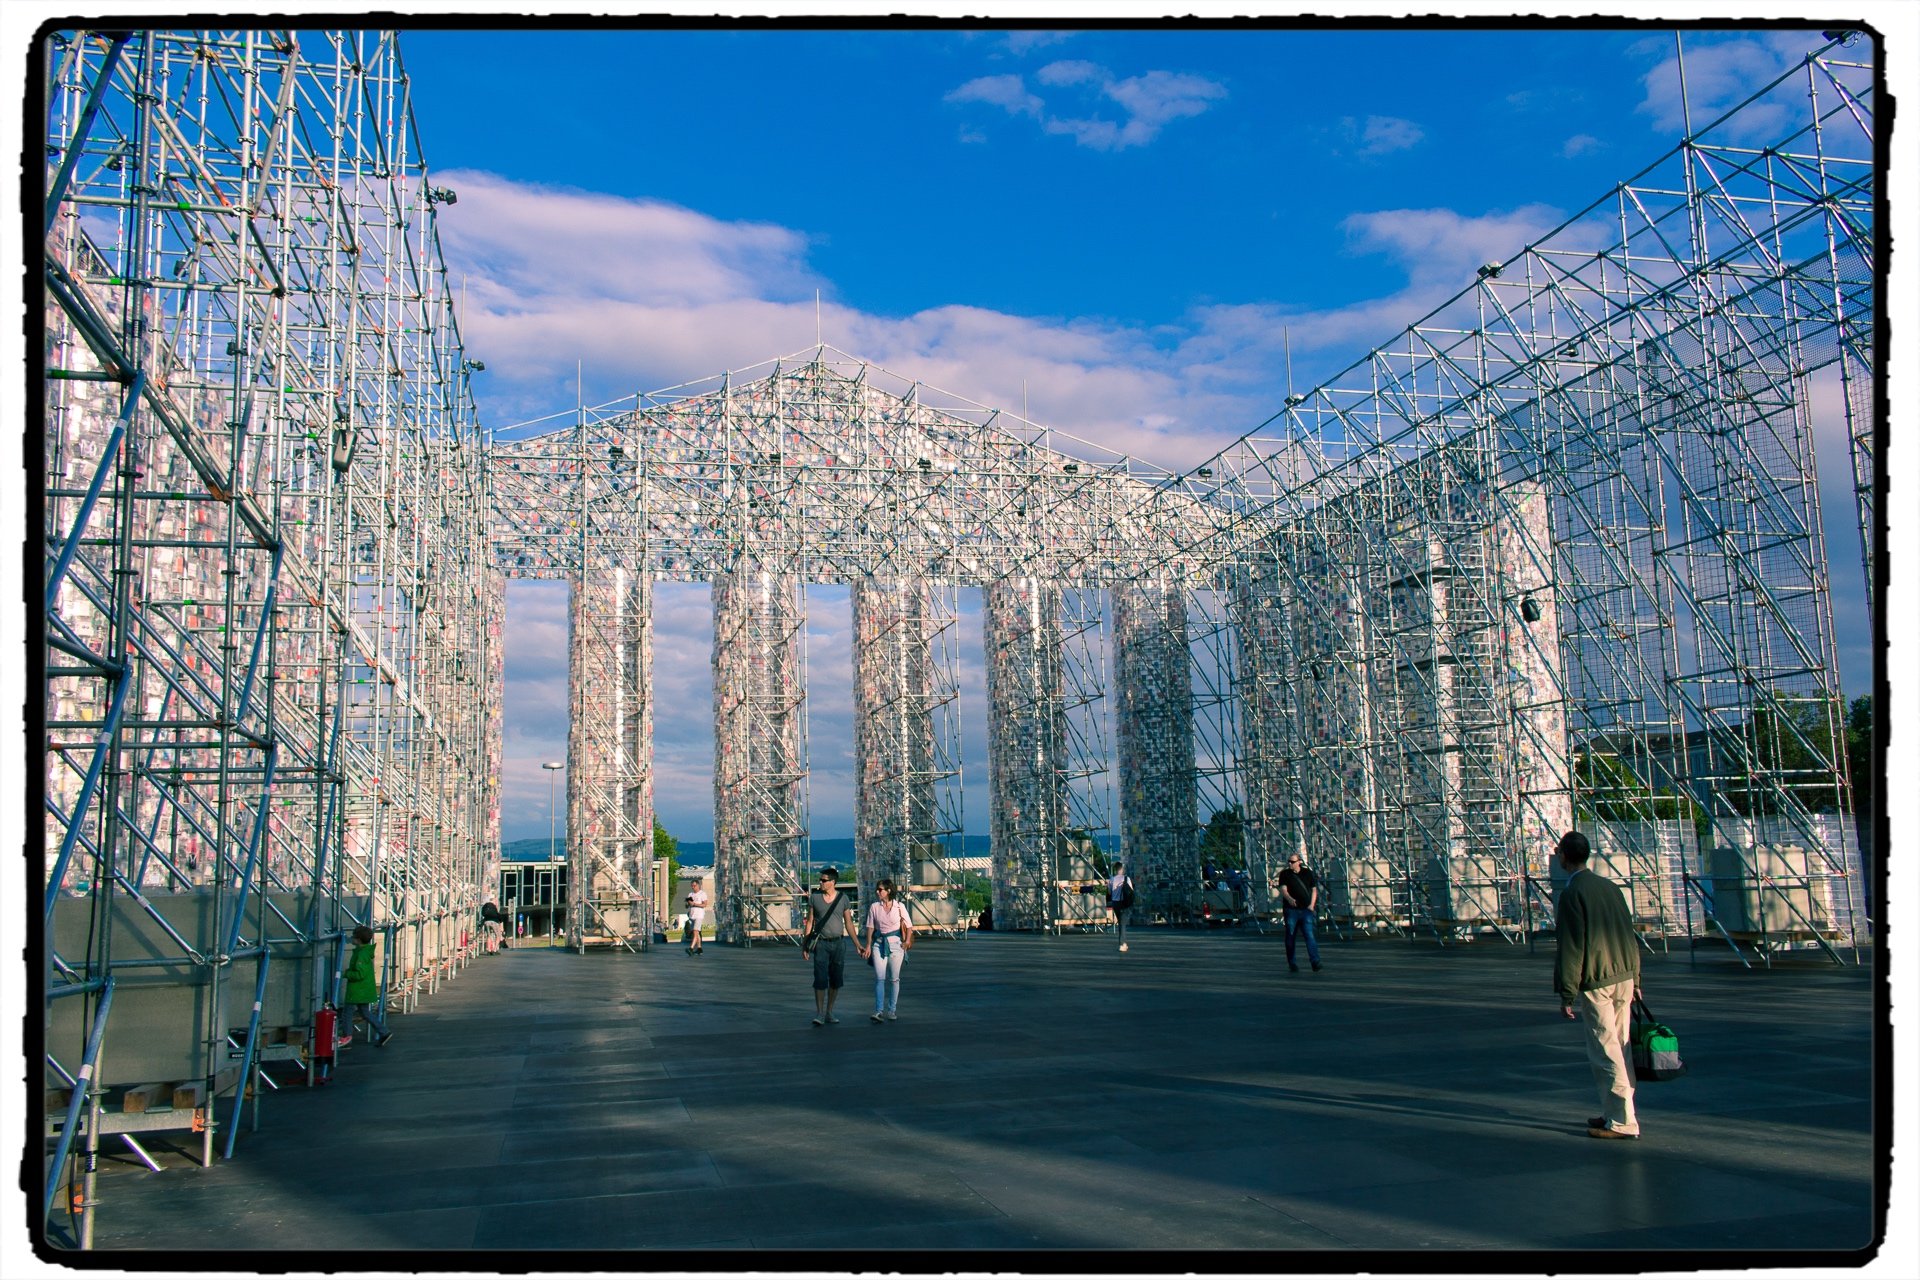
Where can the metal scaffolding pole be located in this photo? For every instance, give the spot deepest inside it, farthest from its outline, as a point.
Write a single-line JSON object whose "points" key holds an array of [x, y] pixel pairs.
{"points": [[264, 691]]}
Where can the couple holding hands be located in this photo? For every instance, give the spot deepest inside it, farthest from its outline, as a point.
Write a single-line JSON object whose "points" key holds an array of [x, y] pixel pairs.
{"points": [[889, 934]]}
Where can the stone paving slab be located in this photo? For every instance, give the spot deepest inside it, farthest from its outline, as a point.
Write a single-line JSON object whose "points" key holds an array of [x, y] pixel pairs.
{"points": [[1040, 1095]]}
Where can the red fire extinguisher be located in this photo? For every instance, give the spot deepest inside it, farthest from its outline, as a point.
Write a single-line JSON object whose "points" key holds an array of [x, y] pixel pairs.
{"points": [[323, 1023]]}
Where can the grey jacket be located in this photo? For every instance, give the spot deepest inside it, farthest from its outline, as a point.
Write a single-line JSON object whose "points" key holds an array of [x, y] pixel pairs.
{"points": [[1597, 946]]}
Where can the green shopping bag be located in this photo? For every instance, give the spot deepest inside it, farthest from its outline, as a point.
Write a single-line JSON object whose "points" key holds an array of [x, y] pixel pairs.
{"points": [[1656, 1050]]}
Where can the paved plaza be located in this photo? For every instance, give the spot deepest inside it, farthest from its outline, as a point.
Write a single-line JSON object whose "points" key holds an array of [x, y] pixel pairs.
{"points": [[1043, 1094]]}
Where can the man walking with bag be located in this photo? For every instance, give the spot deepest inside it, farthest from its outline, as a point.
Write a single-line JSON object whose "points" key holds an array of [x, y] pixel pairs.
{"points": [[1596, 973], [826, 943]]}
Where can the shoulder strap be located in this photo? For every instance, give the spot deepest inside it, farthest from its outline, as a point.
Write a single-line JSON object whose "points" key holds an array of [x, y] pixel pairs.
{"points": [[820, 918]]}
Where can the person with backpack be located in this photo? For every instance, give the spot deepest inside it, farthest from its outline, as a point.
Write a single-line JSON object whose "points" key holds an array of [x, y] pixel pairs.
{"points": [[825, 943], [1120, 899]]}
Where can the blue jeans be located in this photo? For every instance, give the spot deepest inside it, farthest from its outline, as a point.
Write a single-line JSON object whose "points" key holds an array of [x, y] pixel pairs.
{"points": [[370, 1012], [1300, 921]]}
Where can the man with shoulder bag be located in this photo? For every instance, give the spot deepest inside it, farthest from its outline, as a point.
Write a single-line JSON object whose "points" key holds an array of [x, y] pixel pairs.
{"points": [[1596, 973], [825, 943]]}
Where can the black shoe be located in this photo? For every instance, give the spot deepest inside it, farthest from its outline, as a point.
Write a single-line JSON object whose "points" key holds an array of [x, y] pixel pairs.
{"points": [[1603, 1131], [1596, 1122], [1316, 966], [381, 1043], [1292, 967]]}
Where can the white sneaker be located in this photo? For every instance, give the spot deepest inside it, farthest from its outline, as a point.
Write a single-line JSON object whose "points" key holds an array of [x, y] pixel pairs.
{"points": [[1123, 946], [892, 1016]]}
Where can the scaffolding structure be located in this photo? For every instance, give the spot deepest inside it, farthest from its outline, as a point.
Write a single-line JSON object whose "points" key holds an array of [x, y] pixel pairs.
{"points": [[1554, 556], [271, 644], [820, 468], [1604, 450]]}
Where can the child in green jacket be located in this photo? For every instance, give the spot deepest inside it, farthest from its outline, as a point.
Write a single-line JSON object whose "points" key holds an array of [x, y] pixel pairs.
{"points": [[363, 987]]}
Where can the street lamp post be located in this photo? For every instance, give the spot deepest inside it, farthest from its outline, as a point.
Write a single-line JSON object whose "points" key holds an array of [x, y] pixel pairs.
{"points": [[553, 847]]}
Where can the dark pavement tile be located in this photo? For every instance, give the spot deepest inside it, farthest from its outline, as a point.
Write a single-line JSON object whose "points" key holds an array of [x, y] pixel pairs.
{"points": [[1037, 1094]]}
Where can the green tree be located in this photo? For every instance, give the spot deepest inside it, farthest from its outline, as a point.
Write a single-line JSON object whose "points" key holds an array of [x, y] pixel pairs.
{"points": [[1224, 841], [666, 849], [1860, 733], [1791, 741], [1605, 787], [976, 892]]}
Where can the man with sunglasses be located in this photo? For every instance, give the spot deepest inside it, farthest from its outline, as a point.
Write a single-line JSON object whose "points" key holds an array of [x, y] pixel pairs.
{"points": [[1299, 894]]}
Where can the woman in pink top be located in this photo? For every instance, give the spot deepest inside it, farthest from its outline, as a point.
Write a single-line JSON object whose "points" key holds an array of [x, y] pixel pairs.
{"points": [[889, 934]]}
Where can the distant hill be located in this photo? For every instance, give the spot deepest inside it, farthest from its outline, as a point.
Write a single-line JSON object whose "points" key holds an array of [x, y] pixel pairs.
{"points": [[699, 853], [528, 850], [836, 849]]}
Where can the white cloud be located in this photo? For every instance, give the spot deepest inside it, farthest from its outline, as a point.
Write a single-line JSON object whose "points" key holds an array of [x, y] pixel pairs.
{"points": [[1382, 134], [1580, 144], [1173, 394], [1008, 92], [1442, 246], [1148, 102], [1720, 74], [1064, 73], [1373, 136], [1023, 42]]}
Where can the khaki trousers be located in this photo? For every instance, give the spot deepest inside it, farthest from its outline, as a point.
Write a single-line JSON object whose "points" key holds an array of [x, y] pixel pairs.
{"points": [[1606, 1016]]}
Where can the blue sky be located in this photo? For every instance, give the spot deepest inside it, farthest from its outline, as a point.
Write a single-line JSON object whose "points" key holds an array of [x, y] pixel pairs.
{"points": [[1120, 225]]}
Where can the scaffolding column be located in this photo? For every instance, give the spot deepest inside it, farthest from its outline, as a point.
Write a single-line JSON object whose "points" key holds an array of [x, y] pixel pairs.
{"points": [[758, 803], [1026, 750], [1154, 734], [610, 761]]}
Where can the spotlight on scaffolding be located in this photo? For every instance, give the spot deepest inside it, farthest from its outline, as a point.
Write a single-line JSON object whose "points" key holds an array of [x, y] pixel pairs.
{"points": [[442, 195], [1529, 608], [1490, 270], [342, 450], [474, 366]]}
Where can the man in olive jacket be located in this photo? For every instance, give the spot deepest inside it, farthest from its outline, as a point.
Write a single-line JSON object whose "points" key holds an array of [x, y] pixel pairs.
{"points": [[1597, 971]]}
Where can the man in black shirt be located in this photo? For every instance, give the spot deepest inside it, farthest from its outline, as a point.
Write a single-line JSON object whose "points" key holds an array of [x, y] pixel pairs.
{"points": [[1300, 894]]}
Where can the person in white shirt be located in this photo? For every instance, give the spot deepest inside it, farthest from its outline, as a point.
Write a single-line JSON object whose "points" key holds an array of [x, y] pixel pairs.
{"points": [[696, 916], [889, 934], [1120, 899]]}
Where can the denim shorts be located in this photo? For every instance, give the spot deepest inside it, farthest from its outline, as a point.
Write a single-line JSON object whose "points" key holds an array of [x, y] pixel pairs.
{"points": [[829, 963]]}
